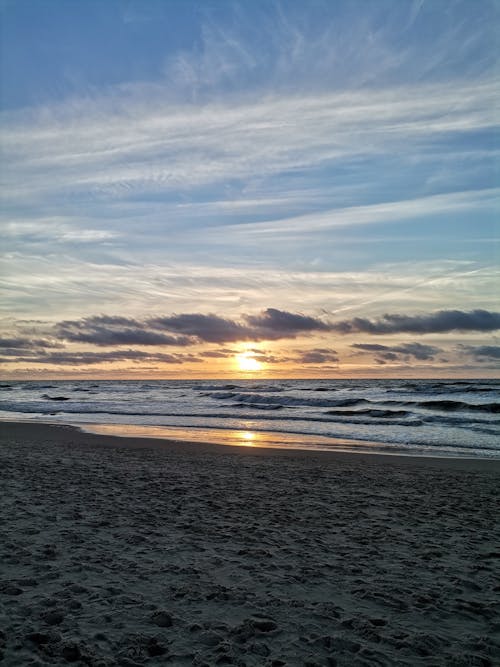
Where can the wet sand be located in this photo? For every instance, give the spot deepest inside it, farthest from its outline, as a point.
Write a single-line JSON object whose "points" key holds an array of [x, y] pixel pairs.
{"points": [[121, 551]]}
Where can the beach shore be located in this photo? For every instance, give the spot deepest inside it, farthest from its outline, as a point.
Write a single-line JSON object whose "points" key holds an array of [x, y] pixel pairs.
{"points": [[122, 551]]}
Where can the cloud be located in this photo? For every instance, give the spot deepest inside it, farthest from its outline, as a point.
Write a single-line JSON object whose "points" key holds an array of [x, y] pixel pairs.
{"points": [[268, 357], [51, 287], [104, 330], [90, 358], [274, 324], [379, 213], [121, 143], [394, 352], [208, 328], [318, 355], [270, 324], [42, 342], [282, 322], [481, 351], [44, 230], [19, 343], [218, 354], [442, 321]]}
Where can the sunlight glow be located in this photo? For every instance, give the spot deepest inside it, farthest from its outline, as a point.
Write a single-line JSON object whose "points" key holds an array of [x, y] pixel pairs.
{"points": [[248, 363]]}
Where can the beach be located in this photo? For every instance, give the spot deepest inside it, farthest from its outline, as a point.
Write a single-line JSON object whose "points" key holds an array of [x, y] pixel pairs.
{"points": [[122, 551]]}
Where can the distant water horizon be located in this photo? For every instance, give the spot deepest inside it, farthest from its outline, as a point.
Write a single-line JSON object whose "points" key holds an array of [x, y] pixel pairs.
{"points": [[433, 417]]}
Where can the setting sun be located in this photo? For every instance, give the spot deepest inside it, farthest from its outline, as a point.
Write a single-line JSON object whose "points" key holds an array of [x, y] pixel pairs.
{"points": [[248, 363]]}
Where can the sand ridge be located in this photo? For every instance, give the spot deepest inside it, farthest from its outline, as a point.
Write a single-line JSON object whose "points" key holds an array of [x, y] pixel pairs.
{"points": [[192, 555]]}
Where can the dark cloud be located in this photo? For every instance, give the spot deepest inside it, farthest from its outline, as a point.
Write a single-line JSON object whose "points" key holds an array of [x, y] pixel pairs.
{"points": [[21, 343], [394, 352], [489, 351], [180, 330], [268, 358], [103, 331], [285, 323], [271, 324], [318, 355], [208, 328], [218, 354], [89, 358], [384, 357], [441, 321], [15, 352], [189, 329]]}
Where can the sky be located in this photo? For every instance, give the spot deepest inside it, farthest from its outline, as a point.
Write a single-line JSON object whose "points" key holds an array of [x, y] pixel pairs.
{"points": [[216, 188]]}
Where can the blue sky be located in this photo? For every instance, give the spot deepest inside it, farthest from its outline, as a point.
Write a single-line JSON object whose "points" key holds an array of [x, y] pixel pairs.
{"points": [[330, 159]]}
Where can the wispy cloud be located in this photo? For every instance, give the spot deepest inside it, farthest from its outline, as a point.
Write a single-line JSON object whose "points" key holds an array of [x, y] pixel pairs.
{"points": [[103, 148], [57, 287], [49, 230], [285, 45], [386, 212]]}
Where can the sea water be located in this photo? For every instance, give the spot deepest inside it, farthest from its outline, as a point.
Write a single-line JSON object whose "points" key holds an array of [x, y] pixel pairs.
{"points": [[414, 417]]}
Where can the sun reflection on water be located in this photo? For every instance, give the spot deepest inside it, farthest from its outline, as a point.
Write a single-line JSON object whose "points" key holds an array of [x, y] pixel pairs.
{"points": [[241, 438], [246, 438]]}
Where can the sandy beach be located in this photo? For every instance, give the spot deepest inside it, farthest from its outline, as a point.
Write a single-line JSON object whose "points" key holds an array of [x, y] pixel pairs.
{"points": [[120, 551]]}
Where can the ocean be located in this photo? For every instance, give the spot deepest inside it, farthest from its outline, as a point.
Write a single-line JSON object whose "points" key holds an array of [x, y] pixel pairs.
{"points": [[414, 417]]}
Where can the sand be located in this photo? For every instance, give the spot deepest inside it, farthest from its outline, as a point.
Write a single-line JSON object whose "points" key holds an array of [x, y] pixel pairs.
{"points": [[127, 552]]}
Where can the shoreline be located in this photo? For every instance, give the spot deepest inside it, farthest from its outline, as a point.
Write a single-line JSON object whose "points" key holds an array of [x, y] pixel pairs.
{"points": [[83, 435], [428, 420]]}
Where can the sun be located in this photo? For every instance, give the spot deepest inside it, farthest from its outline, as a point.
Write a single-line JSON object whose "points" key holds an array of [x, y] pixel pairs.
{"points": [[248, 363]]}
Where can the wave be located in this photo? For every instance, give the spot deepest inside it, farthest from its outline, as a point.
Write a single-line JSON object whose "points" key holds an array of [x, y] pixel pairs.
{"points": [[319, 389], [454, 406], [291, 401], [460, 405], [221, 389], [260, 402], [230, 413], [55, 398], [372, 412], [458, 387], [259, 406], [267, 414], [216, 387], [449, 406]]}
